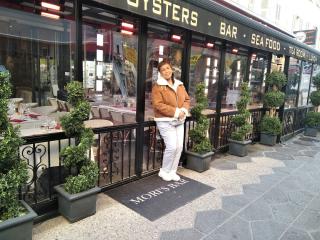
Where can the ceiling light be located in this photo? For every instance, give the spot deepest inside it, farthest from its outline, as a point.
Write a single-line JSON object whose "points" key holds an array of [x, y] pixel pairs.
{"points": [[127, 25], [50, 6], [126, 32], [50, 15], [234, 50], [210, 45], [176, 37]]}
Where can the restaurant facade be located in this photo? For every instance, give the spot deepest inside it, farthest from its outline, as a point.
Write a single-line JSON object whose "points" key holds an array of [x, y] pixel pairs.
{"points": [[113, 47]]}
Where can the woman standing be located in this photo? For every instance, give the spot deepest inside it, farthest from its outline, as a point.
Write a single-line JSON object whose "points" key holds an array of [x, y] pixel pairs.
{"points": [[171, 103]]}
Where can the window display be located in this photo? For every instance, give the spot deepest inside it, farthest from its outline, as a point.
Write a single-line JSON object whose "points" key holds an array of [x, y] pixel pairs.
{"points": [[293, 83], [204, 67]]}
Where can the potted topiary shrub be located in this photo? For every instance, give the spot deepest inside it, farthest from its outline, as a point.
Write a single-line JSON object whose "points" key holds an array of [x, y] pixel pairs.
{"points": [[199, 157], [237, 141], [315, 95], [16, 217], [77, 197], [312, 118], [270, 125], [312, 123]]}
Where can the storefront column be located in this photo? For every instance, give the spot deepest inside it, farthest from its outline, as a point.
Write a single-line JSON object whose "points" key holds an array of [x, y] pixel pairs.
{"points": [[185, 66], [299, 84], [141, 83], [247, 74], [310, 83], [281, 109], [219, 96], [78, 75], [269, 66]]}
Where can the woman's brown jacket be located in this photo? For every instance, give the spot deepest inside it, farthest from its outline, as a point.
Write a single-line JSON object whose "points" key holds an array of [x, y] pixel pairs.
{"points": [[168, 101]]}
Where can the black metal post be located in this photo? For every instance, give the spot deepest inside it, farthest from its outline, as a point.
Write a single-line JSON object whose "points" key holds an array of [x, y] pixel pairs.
{"points": [[299, 85], [219, 95], [281, 109], [247, 74], [142, 50], [78, 51], [310, 83], [185, 68]]}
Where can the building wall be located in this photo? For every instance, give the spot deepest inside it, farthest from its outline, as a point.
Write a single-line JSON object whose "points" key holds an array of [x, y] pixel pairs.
{"points": [[286, 14]]}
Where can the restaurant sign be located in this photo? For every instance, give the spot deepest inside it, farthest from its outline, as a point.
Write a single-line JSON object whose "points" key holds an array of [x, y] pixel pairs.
{"points": [[188, 16]]}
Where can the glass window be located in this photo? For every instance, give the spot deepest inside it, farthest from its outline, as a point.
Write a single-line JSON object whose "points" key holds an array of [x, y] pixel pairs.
{"points": [[277, 63], [257, 77], [204, 67], [315, 71], [37, 47], [304, 84], [235, 71], [163, 43], [110, 44], [293, 83]]}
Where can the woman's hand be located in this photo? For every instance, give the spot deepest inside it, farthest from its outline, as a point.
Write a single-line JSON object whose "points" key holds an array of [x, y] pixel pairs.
{"points": [[181, 115]]}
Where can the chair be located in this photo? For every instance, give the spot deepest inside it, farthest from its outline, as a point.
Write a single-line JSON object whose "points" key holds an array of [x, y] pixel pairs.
{"points": [[117, 117], [129, 117], [104, 113], [95, 112], [53, 102], [62, 106]]}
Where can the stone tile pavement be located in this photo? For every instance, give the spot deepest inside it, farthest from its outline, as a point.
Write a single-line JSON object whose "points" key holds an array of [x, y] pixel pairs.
{"points": [[273, 193]]}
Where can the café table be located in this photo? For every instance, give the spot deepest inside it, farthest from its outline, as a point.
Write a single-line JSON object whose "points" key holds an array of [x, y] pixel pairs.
{"points": [[97, 123]]}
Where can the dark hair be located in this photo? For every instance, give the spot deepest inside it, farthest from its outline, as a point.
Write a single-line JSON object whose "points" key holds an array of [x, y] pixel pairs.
{"points": [[164, 62]]}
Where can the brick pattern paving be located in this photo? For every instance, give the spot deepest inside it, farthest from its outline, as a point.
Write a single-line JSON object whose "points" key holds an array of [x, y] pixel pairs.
{"points": [[273, 193]]}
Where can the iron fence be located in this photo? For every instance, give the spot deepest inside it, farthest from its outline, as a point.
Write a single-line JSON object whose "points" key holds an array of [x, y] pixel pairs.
{"points": [[114, 150]]}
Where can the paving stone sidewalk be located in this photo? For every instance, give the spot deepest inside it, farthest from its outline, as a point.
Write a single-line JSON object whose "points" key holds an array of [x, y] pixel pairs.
{"points": [[273, 193]]}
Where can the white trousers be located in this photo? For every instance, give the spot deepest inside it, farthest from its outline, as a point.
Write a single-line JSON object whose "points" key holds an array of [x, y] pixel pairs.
{"points": [[173, 139]]}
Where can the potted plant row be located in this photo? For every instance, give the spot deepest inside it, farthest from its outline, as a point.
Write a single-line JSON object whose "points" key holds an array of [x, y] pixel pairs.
{"points": [[271, 126], [238, 140], [16, 217], [315, 95], [312, 124], [199, 157], [77, 196], [312, 121]]}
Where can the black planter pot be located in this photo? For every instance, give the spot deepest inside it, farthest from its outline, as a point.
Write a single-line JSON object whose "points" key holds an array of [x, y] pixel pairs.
{"points": [[77, 206], [310, 131], [238, 148], [19, 228], [198, 162], [268, 139]]}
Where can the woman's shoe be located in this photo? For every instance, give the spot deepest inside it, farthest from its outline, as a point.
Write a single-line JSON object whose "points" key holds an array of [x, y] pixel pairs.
{"points": [[174, 176], [164, 175]]}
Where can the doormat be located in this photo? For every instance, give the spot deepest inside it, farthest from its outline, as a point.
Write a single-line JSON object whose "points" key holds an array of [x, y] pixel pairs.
{"points": [[153, 198]]}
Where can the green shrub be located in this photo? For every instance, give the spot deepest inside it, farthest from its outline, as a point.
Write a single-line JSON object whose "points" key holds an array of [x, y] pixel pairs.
{"points": [[275, 78], [198, 135], [243, 127], [85, 172], [273, 99], [312, 119], [315, 98], [13, 170], [271, 125], [316, 81]]}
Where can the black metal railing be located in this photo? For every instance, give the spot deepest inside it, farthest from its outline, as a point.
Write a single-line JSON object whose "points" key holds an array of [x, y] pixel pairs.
{"points": [[225, 128], [114, 150], [293, 120]]}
